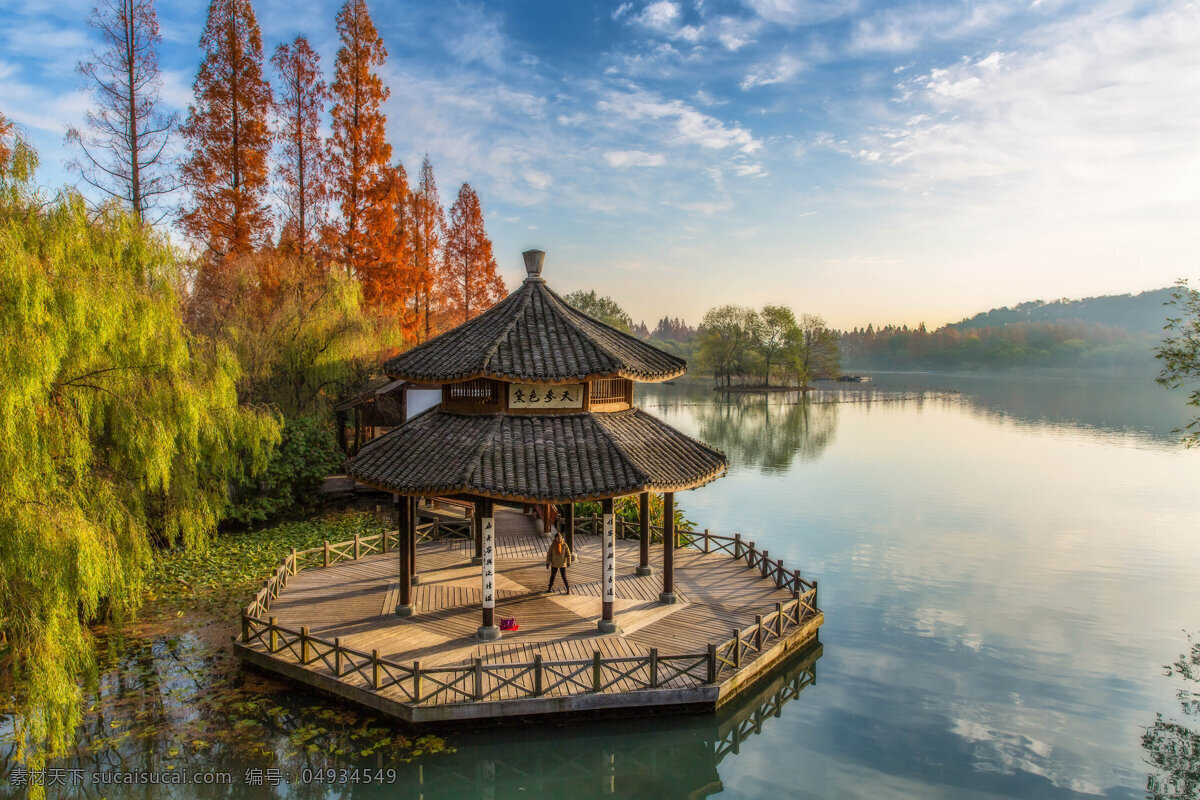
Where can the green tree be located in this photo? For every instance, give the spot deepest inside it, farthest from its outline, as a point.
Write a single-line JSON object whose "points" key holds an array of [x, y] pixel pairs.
{"points": [[604, 309], [1180, 352], [816, 353], [728, 337], [778, 332], [118, 430]]}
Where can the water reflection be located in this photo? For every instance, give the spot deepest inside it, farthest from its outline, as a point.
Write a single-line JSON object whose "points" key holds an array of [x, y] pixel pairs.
{"points": [[676, 757], [1173, 748], [768, 431]]}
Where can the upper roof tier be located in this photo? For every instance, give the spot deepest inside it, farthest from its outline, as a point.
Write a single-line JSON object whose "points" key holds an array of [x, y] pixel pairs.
{"points": [[534, 335]]}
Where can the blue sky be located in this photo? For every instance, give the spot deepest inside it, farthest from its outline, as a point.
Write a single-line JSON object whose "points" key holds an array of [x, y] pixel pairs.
{"points": [[867, 161]]}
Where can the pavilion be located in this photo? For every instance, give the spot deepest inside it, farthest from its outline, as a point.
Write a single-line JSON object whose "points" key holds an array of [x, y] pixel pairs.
{"points": [[536, 408]]}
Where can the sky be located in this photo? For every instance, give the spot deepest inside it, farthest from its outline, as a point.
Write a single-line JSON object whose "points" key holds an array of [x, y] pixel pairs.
{"points": [[866, 161]]}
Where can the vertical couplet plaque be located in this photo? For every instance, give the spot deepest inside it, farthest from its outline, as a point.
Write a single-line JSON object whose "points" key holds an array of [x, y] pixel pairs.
{"points": [[610, 559], [489, 562]]}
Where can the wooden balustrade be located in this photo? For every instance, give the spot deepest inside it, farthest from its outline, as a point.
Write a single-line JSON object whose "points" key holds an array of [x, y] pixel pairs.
{"points": [[481, 681]]}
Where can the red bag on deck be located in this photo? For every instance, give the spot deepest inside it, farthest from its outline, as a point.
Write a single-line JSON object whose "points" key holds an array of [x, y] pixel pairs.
{"points": [[508, 624]]}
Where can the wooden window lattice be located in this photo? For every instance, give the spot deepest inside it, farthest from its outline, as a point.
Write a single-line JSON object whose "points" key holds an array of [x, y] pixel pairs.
{"points": [[608, 390], [479, 392]]}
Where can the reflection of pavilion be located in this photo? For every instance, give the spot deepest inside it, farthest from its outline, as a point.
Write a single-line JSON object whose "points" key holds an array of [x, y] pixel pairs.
{"points": [[536, 409], [674, 758]]}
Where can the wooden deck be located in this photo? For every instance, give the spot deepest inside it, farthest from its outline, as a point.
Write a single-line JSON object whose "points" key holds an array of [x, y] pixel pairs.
{"points": [[720, 600]]}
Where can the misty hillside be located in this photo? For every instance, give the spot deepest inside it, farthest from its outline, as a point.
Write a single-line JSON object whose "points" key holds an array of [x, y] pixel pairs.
{"points": [[1141, 313]]}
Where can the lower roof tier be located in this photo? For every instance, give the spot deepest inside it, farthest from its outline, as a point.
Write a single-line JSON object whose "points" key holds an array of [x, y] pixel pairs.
{"points": [[533, 458]]}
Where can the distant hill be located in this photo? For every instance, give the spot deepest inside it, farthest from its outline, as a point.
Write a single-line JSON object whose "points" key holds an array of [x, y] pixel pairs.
{"points": [[1140, 313]]}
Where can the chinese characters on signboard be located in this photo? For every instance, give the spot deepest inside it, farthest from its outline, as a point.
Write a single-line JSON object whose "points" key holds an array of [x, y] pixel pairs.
{"points": [[610, 560], [489, 562], [545, 395]]}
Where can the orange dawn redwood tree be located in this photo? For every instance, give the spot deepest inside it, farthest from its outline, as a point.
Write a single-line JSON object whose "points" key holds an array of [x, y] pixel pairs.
{"points": [[228, 139], [469, 282], [362, 180], [428, 238], [302, 168]]}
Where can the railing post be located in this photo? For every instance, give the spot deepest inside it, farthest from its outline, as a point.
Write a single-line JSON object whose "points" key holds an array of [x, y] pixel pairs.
{"points": [[383, 542], [294, 570], [596, 671], [537, 675], [758, 632], [779, 620], [751, 554], [737, 545], [375, 669], [304, 645], [763, 565], [274, 635], [779, 573], [712, 663], [337, 657], [653, 667], [815, 595], [356, 547], [707, 542], [327, 552], [437, 529], [416, 681], [737, 649], [478, 679], [245, 628]]}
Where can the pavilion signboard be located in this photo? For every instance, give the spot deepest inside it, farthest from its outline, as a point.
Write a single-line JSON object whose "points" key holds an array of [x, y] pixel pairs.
{"points": [[545, 396]]}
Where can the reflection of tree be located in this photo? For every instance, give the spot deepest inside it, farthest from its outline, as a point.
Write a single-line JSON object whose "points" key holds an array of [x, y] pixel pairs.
{"points": [[1173, 748], [768, 431]]}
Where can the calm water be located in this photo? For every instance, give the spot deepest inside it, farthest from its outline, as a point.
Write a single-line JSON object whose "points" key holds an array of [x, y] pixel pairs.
{"points": [[1005, 566]]}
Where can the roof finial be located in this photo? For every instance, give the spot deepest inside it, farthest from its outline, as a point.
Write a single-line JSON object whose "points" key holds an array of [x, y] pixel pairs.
{"points": [[533, 264]]}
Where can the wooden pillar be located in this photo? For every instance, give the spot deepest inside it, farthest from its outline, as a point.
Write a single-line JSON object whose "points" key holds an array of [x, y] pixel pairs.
{"points": [[643, 567], [477, 559], [668, 568], [569, 532], [489, 630], [412, 540], [546, 520], [340, 416], [608, 566], [404, 605]]}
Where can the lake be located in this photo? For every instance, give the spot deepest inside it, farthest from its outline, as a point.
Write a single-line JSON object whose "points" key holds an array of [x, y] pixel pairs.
{"points": [[1006, 565]]}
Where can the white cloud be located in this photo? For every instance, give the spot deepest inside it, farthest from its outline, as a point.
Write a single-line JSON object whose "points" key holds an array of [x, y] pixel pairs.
{"points": [[801, 12], [660, 15], [686, 125], [750, 170], [634, 158], [780, 69], [477, 37], [1081, 141]]}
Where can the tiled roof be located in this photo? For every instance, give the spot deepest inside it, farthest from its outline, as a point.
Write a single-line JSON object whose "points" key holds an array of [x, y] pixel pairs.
{"points": [[534, 335], [544, 458]]}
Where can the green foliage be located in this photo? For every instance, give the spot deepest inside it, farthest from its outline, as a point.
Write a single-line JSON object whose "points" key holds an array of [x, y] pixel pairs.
{"points": [[117, 429], [291, 483], [604, 309], [728, 337], [1173, 748], [629, 510], [234, 562], [1069, 343], [302, 338], [1180, 352]]}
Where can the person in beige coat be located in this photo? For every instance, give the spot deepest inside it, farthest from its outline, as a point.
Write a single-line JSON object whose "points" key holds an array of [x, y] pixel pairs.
{"points": [[557, 559]]}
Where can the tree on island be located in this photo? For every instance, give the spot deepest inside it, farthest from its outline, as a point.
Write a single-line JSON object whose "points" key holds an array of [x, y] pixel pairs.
{"points": [[124, 148], [603, 308], [729, 336], [816, 355], [778, 334], [1180, 352]]}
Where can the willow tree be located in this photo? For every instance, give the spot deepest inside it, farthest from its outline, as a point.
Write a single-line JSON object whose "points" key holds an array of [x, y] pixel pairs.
{"points": [[118, 432]]}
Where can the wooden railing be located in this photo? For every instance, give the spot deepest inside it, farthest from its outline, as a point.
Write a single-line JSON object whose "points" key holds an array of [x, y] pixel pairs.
{"points": [[481, 681]]}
